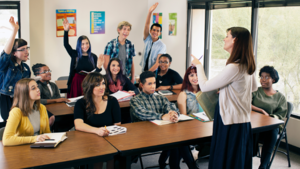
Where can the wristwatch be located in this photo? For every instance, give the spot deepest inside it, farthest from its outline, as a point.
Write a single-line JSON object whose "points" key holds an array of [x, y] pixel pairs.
{"points": [[171, 88]]}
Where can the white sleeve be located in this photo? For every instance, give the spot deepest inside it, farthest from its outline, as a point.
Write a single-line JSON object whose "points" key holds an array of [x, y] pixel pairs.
{"points": [[254, 83]]}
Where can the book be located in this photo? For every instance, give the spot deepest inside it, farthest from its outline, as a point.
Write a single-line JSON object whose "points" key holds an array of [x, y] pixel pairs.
{"points": [[165, 92], [202, 116], [55, 139], [208, 102], [115, 130], [182, 117], [73, 101], [86, 72], [121, 95]]}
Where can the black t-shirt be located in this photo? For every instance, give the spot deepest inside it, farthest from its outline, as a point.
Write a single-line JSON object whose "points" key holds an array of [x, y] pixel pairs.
{"points": [[84, 64], [110, 116], [170, 78]]}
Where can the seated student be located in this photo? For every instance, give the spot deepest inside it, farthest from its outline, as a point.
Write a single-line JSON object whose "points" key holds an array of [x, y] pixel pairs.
{"points": [[270, 103], [49, 91], [187, 102], [123, 49], [167, 79], [147, 106], [96, 109], [28, 119], [116, 80]]}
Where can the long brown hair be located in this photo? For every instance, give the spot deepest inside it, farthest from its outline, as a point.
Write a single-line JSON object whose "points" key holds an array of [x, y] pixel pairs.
{"points": [[22, 98], [242, 51], [88, 85]]}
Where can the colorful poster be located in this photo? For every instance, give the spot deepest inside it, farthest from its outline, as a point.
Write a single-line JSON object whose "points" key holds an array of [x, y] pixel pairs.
{"points": [[70, 15], [97, 22], [172, 24], [157, 18]]}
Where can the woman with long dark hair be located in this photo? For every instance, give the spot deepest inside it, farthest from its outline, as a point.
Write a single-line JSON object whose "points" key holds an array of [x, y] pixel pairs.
{"points": [[231, 146], [12, 68], [82, 59]]}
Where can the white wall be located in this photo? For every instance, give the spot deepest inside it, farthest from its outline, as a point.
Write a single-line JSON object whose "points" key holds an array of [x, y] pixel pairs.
{"points": [[293, 132]]}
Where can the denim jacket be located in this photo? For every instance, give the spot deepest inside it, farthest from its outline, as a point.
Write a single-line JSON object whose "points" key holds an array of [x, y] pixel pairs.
{"points": [[10, 73]]}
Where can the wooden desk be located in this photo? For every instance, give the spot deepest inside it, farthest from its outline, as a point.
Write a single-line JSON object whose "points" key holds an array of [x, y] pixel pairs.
{"points": [[59, 109], [145, 136], [79, 148]]}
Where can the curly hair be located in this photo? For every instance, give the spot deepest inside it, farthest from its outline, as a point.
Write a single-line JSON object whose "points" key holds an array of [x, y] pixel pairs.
{"points": [[272, 71], [89, 83]]}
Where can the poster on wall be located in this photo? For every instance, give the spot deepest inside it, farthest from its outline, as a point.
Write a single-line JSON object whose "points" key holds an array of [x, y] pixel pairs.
{"points": [[157, 18], [97, 24], [172, 24], [70, 15]]}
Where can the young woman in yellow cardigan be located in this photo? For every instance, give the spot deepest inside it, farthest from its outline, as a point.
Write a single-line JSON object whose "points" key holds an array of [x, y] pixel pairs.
{"points": [[28, 119]]}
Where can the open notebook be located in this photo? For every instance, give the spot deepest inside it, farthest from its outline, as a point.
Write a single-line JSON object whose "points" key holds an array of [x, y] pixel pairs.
{"points": [[122, 95], [114, 130], [182, 117], [55, 139], [73, 101]]}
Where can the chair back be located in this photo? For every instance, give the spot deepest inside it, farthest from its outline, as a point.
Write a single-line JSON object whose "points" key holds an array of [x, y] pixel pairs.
{"points": [[1, 133], [63, 78], [288, 114]]}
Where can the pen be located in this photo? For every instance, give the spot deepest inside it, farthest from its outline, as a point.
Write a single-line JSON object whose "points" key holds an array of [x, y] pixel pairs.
{"points": [[200, 57]]}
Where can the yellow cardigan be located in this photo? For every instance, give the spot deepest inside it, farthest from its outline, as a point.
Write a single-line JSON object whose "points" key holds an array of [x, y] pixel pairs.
{"points": [[19, 130]]}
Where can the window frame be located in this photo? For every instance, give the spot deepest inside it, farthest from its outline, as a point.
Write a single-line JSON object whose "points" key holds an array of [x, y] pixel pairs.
{"points": [[12, 5]]}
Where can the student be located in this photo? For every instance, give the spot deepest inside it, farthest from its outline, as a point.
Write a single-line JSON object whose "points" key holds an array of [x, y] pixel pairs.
{"points": [[231, 145], [82, 59], [28, 119], [270, 103], [187, 102], [123, 49], [146, 106], [154, 47], [96, 109], [49, 91], [166, 78], [12, 68], [116, 80]]}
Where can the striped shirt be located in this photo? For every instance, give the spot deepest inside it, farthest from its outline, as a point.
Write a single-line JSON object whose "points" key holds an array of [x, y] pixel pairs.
{"points": [[145, 107]]}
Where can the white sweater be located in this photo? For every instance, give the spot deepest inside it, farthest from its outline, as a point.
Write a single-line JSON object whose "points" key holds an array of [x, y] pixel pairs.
{"points": [[236, 89]]}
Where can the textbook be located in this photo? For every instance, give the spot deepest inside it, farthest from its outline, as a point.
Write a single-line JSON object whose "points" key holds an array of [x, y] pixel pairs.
{"points": [[165, 92], [73, 101], [182, 117], [115, 130], [55, 139], [208, 102], [122, 95]]}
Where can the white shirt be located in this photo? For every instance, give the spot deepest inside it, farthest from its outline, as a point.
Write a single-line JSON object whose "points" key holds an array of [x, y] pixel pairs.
{"points": [[235, 96]]}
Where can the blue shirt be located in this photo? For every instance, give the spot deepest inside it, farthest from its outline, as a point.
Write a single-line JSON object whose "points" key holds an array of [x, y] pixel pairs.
{"points": [[112, 49], [158, 47]]}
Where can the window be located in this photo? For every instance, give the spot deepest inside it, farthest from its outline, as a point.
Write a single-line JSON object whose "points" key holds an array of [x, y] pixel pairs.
{"points": [[279, 46], [7, 9], [222, 19]]}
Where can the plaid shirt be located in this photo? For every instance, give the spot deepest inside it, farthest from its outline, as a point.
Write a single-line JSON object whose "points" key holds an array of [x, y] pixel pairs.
{"points": [[112, 49], [145, 107]]}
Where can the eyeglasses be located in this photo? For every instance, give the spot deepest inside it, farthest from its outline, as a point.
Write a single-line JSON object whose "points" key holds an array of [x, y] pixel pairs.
{"points": [[161, 62], [46, 71], [23, 50], [266, 77]]}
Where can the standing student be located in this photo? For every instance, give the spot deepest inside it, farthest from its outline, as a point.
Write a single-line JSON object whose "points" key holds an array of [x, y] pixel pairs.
{"points": [[271, 103], [28, 119], [123, 49], [12, 68], [187, 102], [154, 47], [96, 109], [82, 59], [231, 145], [116, 80], [166, 78]]}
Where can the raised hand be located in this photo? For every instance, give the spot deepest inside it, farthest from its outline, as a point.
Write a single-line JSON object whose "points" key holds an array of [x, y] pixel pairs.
{"points": [[152, 8], [14, 25], [66, 24], [195, 61], [100, 61]]}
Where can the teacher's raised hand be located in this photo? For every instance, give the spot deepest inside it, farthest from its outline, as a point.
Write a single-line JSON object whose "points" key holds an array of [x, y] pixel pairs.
{"points": [[195, 61]]}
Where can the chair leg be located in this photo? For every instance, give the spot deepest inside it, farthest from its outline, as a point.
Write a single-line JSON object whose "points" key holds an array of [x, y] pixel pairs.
{"points": [[276, 148], [141, 162], [287, 150]]}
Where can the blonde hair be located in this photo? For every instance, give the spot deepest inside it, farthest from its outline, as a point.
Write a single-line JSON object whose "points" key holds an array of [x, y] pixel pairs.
{"points": [[123, 23]]}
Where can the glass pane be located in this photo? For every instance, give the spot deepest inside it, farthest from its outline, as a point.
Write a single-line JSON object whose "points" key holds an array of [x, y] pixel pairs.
{"points": [[197, 38], [5, 28], [279, 46], [222, 19]]}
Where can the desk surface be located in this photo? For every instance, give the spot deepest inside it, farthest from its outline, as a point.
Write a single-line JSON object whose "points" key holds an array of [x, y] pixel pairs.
{"points": [[79, 148], [145, 136], [59, 109]]}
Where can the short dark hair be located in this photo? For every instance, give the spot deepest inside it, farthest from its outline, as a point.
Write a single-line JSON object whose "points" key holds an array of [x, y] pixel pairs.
{"points": [[272, 71], [167, 56], [36, 68], [146, 75], [157, 25]]}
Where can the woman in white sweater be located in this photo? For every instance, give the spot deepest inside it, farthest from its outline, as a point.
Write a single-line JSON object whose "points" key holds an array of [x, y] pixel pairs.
{"points": [[231, 146]]}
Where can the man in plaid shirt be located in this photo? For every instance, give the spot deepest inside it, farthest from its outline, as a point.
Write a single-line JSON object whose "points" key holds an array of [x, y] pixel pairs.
{"points": [[123, 49]]}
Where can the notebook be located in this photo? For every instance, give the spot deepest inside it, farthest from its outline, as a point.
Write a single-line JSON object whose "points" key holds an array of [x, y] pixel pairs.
{"points": [[115, 130], [55, 139], [182, 117], [202, 116], [73, 101], [165, 92], [121, 95]]}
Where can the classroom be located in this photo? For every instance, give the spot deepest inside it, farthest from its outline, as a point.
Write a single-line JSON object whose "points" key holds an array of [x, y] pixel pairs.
{"points": [[192, 37]]}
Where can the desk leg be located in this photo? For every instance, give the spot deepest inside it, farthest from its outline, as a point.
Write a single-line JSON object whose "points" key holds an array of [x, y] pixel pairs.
{"points": [[125, 162]]}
